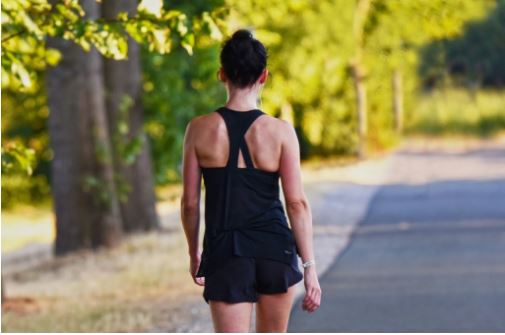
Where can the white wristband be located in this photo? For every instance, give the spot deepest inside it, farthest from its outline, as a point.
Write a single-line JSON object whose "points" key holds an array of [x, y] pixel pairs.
{"points": [[308, 263]]}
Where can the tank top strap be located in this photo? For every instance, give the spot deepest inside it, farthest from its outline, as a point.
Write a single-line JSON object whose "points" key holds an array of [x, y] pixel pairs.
{"points": [[237, 124], [246, 154]]}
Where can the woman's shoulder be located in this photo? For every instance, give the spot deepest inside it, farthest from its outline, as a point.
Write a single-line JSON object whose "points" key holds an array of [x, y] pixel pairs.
{"points": [[271, 123], [203, 119], [280, 126]]}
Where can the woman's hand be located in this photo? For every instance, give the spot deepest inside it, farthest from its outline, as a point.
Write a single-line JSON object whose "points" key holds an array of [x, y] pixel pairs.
{"points": [[194, 264], [312, 299]]}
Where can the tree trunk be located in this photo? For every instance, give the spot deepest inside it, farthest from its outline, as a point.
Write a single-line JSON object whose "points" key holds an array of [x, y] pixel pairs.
{"points": [[124, 77], [3, 290], [398, 100], [79, 138], [358, 72], [360, 91]]}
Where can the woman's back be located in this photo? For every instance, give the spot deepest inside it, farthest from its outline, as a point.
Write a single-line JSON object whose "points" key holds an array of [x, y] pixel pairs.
{"points": [[264, 140], [243, 212]]}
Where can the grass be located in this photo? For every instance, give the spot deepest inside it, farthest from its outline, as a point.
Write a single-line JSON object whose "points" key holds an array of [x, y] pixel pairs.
{"points": [[124, 289], [134, 287], [455, 112]]}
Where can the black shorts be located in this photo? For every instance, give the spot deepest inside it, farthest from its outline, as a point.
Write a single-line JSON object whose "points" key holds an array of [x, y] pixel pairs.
{"points": [[242, 278]]}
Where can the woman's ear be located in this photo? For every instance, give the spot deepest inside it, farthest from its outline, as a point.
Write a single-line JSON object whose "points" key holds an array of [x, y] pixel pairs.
{"points": [[221, 75], [263, 77]]}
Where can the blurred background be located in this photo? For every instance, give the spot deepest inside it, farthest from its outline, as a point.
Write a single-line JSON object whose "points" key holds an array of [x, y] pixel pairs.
{"points": [[96, 96]]}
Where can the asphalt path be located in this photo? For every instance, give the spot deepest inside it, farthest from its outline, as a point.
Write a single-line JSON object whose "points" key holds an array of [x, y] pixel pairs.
{"points": [[429, 256]]}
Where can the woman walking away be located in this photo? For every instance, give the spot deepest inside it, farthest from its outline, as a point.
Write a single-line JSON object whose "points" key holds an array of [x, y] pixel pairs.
{"points": [[250, 252]]}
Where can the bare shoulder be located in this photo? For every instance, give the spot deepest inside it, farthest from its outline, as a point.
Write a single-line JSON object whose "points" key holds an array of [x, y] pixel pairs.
{"points": [[200, 122], [285, 129], [280, 126], [199, 119]]}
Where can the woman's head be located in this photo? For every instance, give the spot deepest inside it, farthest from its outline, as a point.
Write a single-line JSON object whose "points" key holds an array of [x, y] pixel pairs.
{"points": [[243, 59]]}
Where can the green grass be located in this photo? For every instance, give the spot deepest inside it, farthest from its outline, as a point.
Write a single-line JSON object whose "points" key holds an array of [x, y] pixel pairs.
{"points": [[456, 112]]}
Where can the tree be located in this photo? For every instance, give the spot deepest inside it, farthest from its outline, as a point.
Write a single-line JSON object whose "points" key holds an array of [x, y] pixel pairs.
{"points": [[85, 184], [473, 58], [358, 73], [85, 197], [397, 100], [132, 159]]}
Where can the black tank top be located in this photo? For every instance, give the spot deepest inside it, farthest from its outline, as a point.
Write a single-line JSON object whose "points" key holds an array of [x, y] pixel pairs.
{"points": [[243, 213]]}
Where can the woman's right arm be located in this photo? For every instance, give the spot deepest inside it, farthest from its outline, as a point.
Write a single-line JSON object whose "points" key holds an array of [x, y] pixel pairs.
{"points": [[299, 212]]}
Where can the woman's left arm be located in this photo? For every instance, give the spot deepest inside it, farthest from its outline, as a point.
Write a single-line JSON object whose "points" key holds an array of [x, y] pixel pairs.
{"points": [[190, 199]]}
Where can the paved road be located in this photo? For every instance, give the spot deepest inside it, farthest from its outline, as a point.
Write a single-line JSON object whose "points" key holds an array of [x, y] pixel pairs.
{"points": [[428, 256]]}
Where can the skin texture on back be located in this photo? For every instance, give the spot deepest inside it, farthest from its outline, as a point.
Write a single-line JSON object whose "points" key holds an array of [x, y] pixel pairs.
{"points": [[273, 145], [264, 140]]}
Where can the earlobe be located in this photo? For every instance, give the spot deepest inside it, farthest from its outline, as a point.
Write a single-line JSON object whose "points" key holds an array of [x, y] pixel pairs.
{"points": [[263, 77], [220, 75]]}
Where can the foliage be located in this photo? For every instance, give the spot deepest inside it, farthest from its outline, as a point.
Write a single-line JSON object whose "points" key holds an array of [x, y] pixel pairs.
{"points": [[26, 24], [309, 53], [311, 46], [17, 157], [178, 87], [475, 57], [126, 149], [24, 127], [456, 111], [397, 32], [19, 183]]}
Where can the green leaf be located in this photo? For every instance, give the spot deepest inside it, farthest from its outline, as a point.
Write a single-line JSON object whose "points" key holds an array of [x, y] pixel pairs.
{"points": [[153, 7], [17, 157], [215, 32], [132, 149], [123, 16], [19, 70], [188, 41], [53, 56]]}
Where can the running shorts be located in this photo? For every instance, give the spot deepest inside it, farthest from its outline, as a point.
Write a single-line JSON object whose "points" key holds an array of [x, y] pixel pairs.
{"points": [[242, 278]]}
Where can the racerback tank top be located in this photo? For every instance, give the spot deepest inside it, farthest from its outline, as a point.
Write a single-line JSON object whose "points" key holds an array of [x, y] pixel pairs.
{"points": [[244, 215]]}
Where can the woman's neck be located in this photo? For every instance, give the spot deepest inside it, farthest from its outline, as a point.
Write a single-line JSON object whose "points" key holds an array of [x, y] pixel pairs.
{"points": [[242, 99]]}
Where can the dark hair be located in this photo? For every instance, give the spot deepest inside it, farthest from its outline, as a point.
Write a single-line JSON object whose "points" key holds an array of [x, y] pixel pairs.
{"points": [[243, 58]]}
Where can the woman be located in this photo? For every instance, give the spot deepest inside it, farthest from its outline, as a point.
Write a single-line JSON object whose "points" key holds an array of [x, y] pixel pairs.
{"points": [[249, 251]]}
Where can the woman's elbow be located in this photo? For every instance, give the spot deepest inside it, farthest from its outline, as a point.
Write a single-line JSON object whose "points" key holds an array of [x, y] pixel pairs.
{"points": [[189, 206], [297, 205]]}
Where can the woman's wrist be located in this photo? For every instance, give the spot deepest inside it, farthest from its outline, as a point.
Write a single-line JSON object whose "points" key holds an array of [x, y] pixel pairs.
{"points": [[309, 263], [194, 253]]}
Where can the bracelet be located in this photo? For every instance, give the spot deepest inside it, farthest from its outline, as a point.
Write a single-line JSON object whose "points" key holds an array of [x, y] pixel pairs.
{"points": [[309, 263]]}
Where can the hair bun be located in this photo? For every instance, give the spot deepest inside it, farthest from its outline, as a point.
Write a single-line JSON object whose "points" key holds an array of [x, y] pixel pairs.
{"points": [[242, 34], [243, 58]]}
